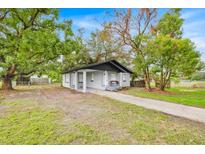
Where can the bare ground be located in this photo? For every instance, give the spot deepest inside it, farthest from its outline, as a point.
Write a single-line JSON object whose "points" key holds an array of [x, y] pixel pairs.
{"points": [[94, 110], [76, 107]]}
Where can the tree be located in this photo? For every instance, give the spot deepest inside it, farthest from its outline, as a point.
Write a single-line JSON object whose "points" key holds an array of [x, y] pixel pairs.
{"points": [[166, 54], [29, 41], [172, 57], [79, 55], [167, 46], [170, 24], [103, 45], [198, 76], [133, 26]]}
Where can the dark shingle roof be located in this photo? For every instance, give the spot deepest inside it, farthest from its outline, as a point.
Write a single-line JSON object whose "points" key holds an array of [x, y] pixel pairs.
{"points": [[110, 65]]}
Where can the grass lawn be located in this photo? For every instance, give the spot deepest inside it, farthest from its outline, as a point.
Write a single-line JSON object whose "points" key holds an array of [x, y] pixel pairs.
{"points": [[37, 126], [60, 116], [186, 96]]}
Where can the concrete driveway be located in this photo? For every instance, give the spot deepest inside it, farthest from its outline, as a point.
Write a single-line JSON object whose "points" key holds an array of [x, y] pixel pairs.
{"points": [[192, 113]]}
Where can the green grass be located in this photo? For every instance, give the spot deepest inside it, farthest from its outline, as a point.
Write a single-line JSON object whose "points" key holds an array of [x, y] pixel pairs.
{"points": [[27, 122], [152, 127], [31, 127], [84, 134], [186, 96], [37, 126]]}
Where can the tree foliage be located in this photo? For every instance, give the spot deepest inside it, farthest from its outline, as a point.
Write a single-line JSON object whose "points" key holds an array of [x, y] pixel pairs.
{"points": [[132, 26], [78, 56], [165, 53], [29, 41], [104, 45], [172, 58], [170, 24]]}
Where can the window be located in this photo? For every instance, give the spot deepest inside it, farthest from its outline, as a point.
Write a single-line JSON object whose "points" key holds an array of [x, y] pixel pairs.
{"points": [[80, 78], [113, 76], [92, 77], [124, 77], [67, 78]]}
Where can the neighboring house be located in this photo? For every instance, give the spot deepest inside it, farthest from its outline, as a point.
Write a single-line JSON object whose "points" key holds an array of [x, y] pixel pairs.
{"points": [[104, 76], [44, 79], [34, 79]]}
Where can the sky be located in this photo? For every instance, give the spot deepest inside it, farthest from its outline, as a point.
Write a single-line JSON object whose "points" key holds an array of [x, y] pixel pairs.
{"points": [[90, 19]]}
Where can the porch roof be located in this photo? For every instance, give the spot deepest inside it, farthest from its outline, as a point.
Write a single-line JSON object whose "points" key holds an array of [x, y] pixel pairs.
{"points": [[110, 65]]}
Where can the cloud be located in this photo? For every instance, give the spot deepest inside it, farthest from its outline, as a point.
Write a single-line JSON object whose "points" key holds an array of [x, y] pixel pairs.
{"points": [[187, 15], [193, 29], [195, 25], [199, 41], [191, 13], [87, 22]]}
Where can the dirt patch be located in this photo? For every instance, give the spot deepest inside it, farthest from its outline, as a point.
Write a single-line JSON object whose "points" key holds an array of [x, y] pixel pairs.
{"points": [[75, 107], [100, 113]]}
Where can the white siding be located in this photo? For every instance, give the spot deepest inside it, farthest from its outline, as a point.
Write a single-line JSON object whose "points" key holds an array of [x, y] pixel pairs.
{"points": [[98, 79], [126, 82], [72, 79], [111, 75], [65, 81]]}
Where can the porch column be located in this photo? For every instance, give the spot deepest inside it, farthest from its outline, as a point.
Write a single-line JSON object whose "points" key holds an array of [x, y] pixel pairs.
{"points": [[106, 78], [84, 81], [120, 79], [69, 80], [76, 80]]}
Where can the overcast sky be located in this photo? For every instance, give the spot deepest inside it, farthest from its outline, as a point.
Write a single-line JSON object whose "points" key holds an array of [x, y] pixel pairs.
{"points": [[90, 20]]}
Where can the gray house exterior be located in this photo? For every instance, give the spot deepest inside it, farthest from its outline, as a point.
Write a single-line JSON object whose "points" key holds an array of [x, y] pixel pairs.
{"points": [[97, 76]]}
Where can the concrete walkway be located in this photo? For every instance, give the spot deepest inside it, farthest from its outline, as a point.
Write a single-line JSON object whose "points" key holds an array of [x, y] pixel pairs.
{"points": [[192, 113]]}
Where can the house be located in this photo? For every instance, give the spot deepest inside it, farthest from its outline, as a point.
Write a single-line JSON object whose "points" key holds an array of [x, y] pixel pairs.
{"points": [[43, 79], [104, 76], [33, 79]]}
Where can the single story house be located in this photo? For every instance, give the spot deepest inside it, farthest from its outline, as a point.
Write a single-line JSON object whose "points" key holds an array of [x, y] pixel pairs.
{"points": [[43, 79], [33, 79], [102, 75]]}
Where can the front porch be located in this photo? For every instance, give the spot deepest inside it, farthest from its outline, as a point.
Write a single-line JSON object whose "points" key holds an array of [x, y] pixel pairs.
{"points": [[87, 80]]}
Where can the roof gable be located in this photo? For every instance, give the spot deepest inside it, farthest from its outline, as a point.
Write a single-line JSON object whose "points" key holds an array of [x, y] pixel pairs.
{"points": [[111, 65]]}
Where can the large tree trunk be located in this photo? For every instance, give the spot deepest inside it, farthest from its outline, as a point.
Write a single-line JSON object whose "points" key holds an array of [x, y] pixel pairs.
{"points": [[147, 80], [147, 84], [162, 82], [7, 79], [165, 80], [7, 84], [162, 87]]}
